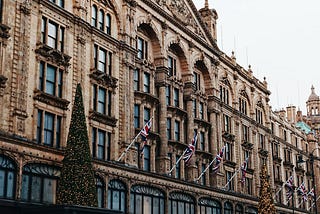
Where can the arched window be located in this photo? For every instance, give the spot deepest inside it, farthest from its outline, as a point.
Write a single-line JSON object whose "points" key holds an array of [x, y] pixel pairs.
{"points": [[228, 209], [108, 24], [239, 209], [100, 191], [116, 195], [181, 203], [39, 183], [251, 210], [146, 200], [101, 20], [209, 206], [94, 12], [7, 177]]}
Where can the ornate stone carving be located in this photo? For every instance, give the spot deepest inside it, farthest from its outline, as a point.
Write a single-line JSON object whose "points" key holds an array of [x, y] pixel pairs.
{"points": [[3, 81], [51, 100], [4, 31], [53, 55], [102, 118], [104, 79]]}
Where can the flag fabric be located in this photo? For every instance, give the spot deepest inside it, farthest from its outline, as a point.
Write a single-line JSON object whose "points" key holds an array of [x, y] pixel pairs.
{"points": [[289, 186], [191, 148], [219, 158], [311, 193], [302, 191], [144, 133], [244, 170]]}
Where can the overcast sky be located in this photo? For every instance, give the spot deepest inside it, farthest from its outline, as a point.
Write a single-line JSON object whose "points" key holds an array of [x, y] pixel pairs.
{"points": [[280, 39]]}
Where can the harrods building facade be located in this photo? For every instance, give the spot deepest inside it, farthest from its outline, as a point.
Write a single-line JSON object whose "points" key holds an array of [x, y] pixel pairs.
{"points": [[137, 60]]}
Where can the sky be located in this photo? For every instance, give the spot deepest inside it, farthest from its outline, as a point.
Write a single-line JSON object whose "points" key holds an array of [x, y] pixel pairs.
{"points": [[280, 39]]}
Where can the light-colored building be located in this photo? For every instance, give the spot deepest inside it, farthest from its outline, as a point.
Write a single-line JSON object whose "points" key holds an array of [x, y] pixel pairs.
{"points": [[136, 61]]}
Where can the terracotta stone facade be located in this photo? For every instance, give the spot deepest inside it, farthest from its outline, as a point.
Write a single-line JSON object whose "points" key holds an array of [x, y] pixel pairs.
{"points": [[136, 61]]}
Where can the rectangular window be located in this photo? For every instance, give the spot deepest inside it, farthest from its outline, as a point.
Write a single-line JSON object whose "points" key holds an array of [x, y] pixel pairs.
{"points": [[52, 34], [178, 167], [102, 60], [168, 95], [136, 116], [101, 141], [229, 149], [146, 83], [142, 48], [50, 79], [224, 95], [60, 3], [202, 141], [146, 115], [136, 80], [169, 136], [102, 99], [194, 108], [227, 123], [261, 141], [108, 24], [196, 81], [249, 186], [176, 97], [172, 66], [48, 129], [146, 158], [229, 181], [201, 114], [245, 133], [176, 130], [203, 179]]}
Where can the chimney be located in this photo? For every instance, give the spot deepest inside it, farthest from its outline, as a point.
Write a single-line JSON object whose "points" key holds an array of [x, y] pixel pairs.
{"points": [[282, 113], [291, 114]]}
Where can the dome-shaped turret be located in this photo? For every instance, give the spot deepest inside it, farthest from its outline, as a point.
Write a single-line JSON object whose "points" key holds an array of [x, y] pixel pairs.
{"points": [[313, 96]]}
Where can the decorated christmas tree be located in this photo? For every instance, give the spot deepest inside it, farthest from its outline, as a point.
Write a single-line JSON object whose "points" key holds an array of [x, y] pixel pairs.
{"points": [[76, 185], [266, 205]]}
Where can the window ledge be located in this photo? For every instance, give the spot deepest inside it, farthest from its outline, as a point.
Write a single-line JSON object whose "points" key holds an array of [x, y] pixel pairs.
{"points": [[102, 118], [104, 79], [50, 99], [53, 55]]}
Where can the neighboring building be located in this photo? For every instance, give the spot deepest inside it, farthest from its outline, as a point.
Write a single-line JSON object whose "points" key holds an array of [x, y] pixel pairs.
{"points": [[136, 61]]}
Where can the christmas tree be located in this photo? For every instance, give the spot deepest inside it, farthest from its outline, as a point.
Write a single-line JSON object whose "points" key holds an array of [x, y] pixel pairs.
{"points": [[77, 183], [266, 205]]}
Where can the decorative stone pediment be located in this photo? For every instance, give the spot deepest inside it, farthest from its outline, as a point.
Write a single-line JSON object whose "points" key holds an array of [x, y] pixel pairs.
{"points": [[104, 79], [181, 12], [53, 55]]}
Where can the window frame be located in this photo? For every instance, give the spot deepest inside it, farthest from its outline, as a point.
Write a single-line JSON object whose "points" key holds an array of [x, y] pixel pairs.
{"points": [[57, 39]]}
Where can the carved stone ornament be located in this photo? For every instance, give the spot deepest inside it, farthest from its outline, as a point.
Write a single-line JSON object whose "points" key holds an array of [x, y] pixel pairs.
{"points": [[104, 79], [4, 31], [102, 118], [53, 55], [51, 100], [3, 81]]}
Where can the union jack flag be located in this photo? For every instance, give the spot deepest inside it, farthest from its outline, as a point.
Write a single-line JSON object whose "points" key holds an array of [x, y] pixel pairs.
{"points": [[302, 191], [219, 158], [311, 193], [244, 170], [289, 185], [145, 133], [191, 148]]}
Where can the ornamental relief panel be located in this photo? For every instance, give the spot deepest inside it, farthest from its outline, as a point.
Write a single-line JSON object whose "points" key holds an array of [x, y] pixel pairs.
{"points": [[180, 11]]}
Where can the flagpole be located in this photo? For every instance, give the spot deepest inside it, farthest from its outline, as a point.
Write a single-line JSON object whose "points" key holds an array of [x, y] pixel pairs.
{"points": [[313, 203], [174, 166], [236, 172], [206, 169], [127, 149]]}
